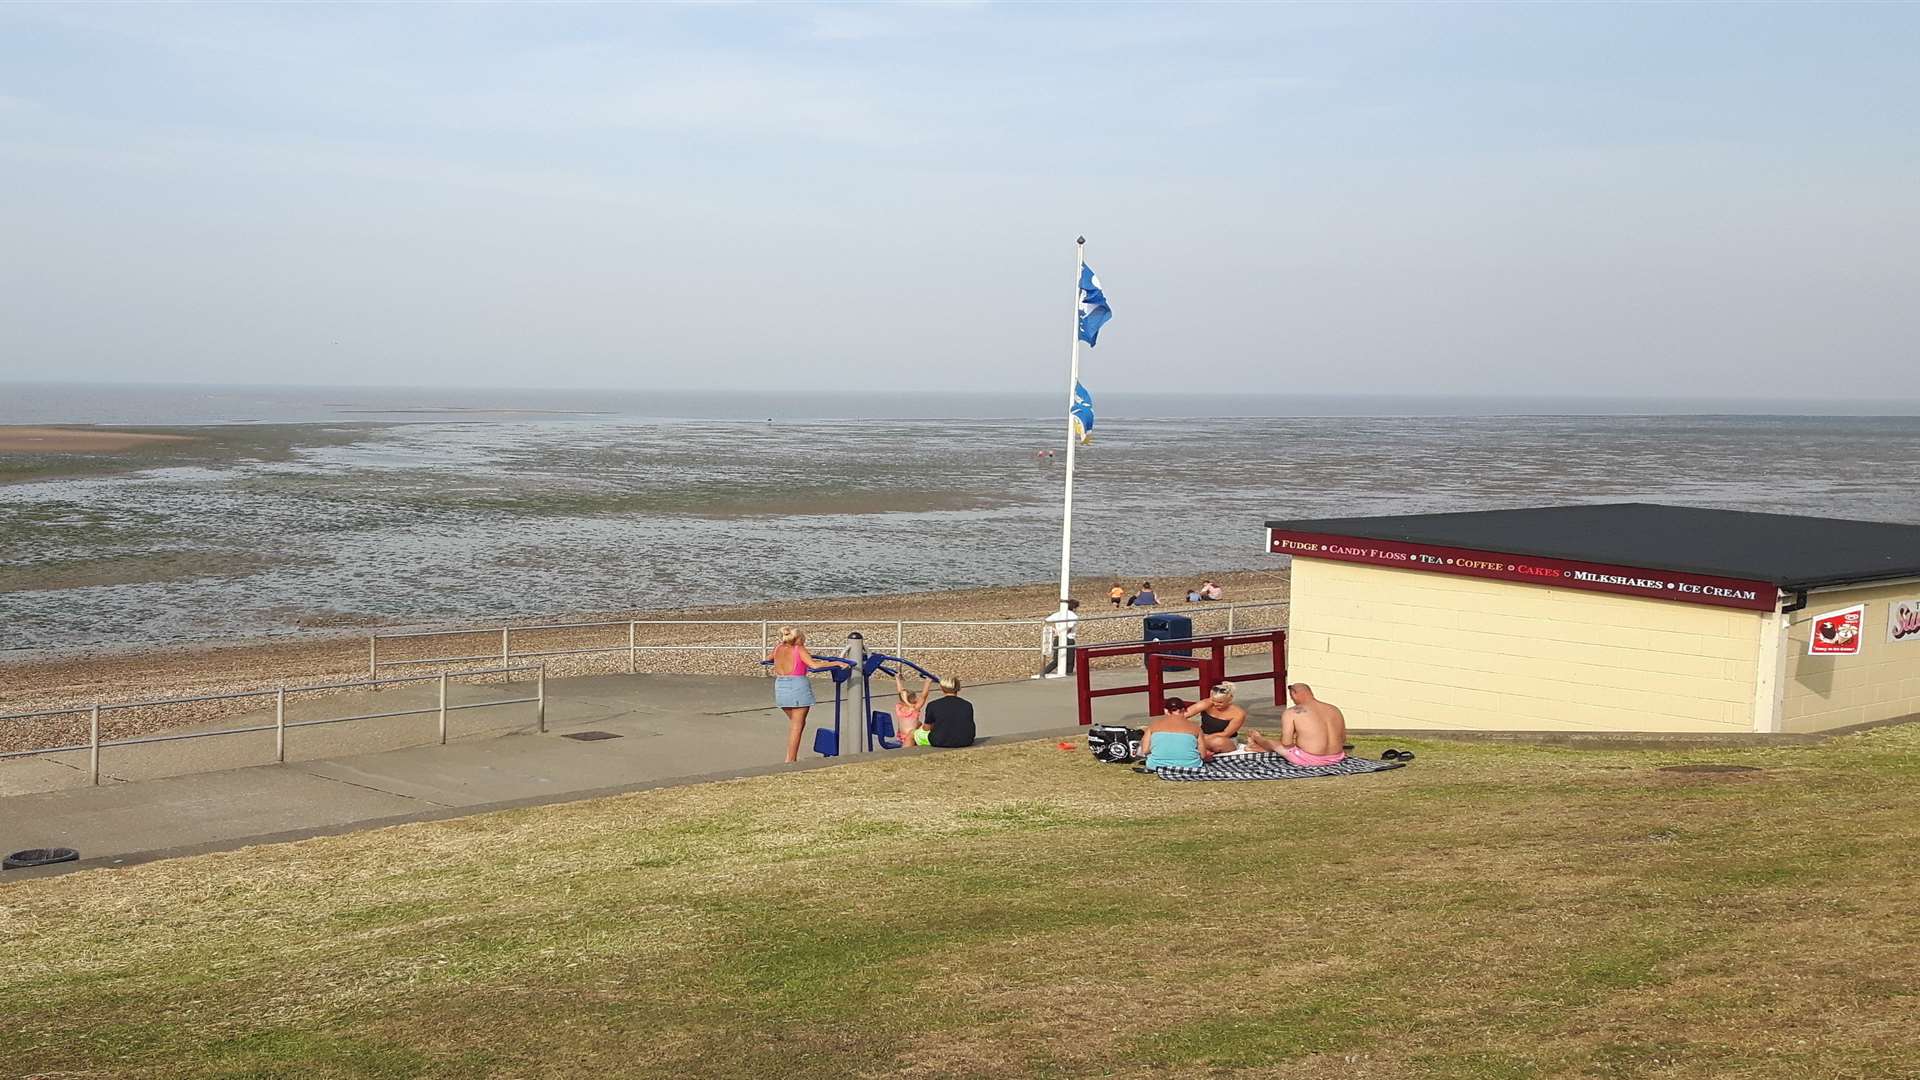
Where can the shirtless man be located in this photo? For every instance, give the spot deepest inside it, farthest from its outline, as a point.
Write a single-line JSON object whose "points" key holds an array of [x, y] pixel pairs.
{"points": [[1312, 732], [1220, 719]]}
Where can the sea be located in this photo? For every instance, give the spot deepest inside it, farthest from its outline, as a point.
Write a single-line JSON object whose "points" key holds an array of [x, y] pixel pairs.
{"points": [[314, 509]]}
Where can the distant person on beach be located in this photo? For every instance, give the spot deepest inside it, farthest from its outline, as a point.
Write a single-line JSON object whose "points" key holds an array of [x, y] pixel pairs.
{"points": [[1143, 598], [1312, 732], [947, 720], [1063, 629], [1212, 591], [1193, 596], [1174, 739], [792, 690], [1219, 718], [1117, 594], [910, 706]]}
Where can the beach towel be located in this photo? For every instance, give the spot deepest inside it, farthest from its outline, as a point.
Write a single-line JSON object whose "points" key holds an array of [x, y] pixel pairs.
{"points": [[1266, 765]]}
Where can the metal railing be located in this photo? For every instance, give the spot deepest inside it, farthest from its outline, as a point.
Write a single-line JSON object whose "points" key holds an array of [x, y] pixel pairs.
{"points": [[1210, 666], [281, 724], [506, 653]]}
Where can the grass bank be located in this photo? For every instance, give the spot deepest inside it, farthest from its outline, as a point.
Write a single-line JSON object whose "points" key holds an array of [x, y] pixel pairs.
{"points": [[1490, 911]]}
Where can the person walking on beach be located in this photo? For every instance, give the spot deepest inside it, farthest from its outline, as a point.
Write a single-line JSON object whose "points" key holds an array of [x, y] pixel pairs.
{"points": [[792, 690]]}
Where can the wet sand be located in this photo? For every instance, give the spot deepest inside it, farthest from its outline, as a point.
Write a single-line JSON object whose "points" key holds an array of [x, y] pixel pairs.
{"points": [[76, 678], [15, 439], [51, 452]]}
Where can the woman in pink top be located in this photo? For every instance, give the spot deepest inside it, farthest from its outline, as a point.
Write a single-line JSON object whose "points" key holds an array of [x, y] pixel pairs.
{"points": [[792, 692]]}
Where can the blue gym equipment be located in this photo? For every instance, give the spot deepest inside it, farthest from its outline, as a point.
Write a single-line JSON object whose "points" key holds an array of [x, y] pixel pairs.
{"points": [[855, 659]]}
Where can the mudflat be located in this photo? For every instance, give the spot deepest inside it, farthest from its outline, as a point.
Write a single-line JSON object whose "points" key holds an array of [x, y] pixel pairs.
{"points": [[18, 439]]}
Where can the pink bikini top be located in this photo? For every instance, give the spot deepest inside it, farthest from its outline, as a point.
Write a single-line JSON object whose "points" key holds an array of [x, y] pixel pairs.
{"points": [[798, 665]]}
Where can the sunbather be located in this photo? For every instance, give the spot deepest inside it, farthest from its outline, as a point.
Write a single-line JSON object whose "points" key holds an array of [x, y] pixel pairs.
{"points": [[1174, 739], [1312, 732], [1220, 719]]}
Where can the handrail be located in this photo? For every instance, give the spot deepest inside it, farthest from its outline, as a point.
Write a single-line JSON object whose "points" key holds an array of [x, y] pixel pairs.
{"points": [[1211, 667], [354, 684], [633, 648], [95, 744]]}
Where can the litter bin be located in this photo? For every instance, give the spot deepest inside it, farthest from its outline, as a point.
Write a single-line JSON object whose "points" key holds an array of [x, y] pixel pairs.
{"points": [[1168, 627]]}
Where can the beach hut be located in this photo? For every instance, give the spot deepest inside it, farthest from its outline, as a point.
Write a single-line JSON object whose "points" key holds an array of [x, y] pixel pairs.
{"points": [[1606, 618]]}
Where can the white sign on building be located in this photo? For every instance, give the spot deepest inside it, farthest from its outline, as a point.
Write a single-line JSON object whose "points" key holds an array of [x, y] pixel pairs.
{"points": [[1903, 620]]}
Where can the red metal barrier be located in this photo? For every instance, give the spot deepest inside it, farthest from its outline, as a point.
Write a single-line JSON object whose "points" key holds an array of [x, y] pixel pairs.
{"points": [[1209, 668]]}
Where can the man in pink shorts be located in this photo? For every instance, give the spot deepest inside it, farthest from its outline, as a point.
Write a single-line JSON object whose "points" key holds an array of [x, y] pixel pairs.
{"points": [[1312, 732]]}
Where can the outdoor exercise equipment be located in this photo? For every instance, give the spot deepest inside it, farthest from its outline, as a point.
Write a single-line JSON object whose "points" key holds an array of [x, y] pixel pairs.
{"points": [[854, 659]]}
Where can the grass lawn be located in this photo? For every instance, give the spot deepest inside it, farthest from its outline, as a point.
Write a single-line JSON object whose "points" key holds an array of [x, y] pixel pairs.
{"points": [[1489, 911]]}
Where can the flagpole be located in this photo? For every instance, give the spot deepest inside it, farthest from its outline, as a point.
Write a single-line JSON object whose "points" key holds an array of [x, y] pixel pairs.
{"points": [[1073, 380]]}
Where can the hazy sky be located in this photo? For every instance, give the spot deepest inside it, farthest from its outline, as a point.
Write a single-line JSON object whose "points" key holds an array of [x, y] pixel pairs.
{"points": [[1670, 199]]}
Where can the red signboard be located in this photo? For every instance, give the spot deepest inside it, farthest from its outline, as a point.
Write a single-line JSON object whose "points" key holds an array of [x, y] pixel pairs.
{"points": [[1564, 573]]}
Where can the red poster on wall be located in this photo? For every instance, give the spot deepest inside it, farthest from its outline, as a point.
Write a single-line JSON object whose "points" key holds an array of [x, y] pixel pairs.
{"points": [[1837, 633]]}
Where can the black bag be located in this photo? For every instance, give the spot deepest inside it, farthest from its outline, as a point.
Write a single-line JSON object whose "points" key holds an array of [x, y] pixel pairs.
{"points": [[1111, 742]]}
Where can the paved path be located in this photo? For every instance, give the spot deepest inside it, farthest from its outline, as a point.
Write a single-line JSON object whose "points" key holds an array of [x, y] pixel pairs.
{"points": [[207, 794]]}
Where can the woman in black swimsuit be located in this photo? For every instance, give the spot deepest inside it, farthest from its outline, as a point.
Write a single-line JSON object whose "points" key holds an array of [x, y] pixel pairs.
{"points": [[1220, 720]]}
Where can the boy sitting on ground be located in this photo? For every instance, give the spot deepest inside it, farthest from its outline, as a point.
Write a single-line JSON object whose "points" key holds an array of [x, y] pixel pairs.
{"points": [[1312, 732], [946, 721]]}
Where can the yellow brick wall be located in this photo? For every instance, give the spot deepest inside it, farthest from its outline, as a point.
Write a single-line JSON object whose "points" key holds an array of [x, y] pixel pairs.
{"points": [[1881, 683], [1403, 649]]}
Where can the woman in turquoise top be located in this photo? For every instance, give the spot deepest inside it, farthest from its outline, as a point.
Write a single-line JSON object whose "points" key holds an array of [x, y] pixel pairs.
{"points": [[1174, 740]]}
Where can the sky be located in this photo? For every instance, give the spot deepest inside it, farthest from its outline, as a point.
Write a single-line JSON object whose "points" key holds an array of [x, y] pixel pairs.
{"points": [[1620, 200]]}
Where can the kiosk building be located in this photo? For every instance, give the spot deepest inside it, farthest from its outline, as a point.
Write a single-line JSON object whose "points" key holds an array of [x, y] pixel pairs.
{"points": [[1614, 617]]}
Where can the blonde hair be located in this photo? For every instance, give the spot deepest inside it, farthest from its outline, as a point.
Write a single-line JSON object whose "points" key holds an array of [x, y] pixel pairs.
{"points": [[1224, 691], [790, 635], [949, 685]]}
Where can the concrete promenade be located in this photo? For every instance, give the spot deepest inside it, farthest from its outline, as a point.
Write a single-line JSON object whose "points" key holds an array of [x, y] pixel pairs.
{"points": [[180, 797]]}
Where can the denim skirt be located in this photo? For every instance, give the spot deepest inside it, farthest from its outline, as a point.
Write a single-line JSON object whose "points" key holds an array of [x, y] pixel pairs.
{"points": [[792, 691]]}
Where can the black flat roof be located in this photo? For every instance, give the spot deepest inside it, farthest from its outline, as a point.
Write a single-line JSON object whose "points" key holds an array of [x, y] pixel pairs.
{"points": [[1787, 550]]}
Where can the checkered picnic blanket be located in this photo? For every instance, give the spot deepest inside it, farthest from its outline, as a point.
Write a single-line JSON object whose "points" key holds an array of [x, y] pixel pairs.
{"points": [[1267, 765]]}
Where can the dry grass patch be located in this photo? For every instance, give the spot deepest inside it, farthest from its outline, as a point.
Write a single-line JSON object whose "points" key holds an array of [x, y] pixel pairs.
{"points": [[1490, 911]]}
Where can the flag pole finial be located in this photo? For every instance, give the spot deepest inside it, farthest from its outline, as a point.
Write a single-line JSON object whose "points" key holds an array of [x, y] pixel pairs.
{"points": [[1081, 241]]}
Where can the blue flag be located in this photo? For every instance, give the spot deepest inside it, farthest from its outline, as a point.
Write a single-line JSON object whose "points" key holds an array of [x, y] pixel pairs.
{"points": [[1082, 413], [1094, 311]]}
